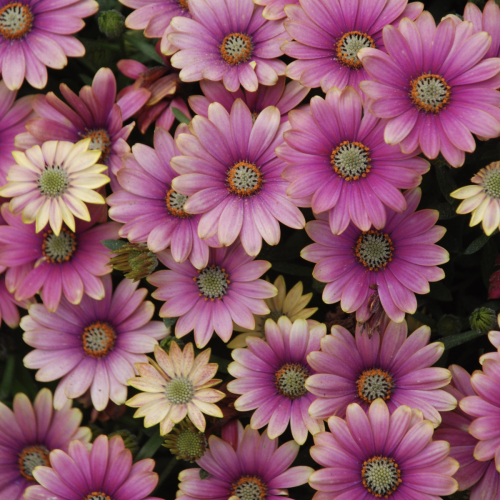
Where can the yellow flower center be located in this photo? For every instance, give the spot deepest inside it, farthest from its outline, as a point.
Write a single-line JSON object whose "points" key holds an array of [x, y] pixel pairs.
{"points": [[53, 181]]}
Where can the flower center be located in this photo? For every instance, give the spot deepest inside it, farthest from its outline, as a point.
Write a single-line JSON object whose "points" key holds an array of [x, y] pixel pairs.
{"points": [[381, 476], [53, 181], [349, 46], [175, 204], [374, 249], [212, 282], [491, 183], [31, 457], [191, 444], [290, 380], [373, 384], [244, 179], [99, 140], [16, 19], [179, 391], [183, 4], [59, 248], [351, 160], [236, 48], [97, 495], [430, 93], [98, 339], [249, 488]]}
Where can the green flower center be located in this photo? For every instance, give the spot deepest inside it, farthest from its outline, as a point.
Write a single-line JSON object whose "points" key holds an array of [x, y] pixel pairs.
{"points": [[374, 249], [212, 282], [191, 444], [98, 339], [249, 488], [180, 391], [491, 183], [31, 457], [53, 181], [59, 248], [381, 476], [351, 160], [373, 384], [290, 380]]}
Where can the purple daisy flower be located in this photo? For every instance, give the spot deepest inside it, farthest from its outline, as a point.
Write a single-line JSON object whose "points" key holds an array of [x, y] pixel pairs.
{"points": [[103, 473], [27, 436], [209, 299], [153, 212], [329, 34], [339, 158], [68, 265], [35, 34], [397, 261], [271, 378], [388, 365], [94, 115], [284, 97], [232, 176], [93, 345], [488, 21], [377, 455], [433, 87], [216, 44], [243, 465], [274, 9]]}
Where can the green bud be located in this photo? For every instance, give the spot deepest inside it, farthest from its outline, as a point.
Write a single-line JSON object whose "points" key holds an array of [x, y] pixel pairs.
{"points": [[111, 23], [130, 440], [186, 442], [167, 342], [449, 325], [135, 260], [483, 319]]}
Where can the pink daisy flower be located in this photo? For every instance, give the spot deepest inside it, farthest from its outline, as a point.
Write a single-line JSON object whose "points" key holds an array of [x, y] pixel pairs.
{"points": [[35, 34], [246, 465], [398, 260], [284, 97], [338, 157], [209, 299], [329, 34], [271, 377], [93, 114], [433, 87], [103, 473], [153, 212], [488, 21], [389, 365], [232, 176], [68, 265], [8, 304], [375, 455], [218, 45], [27, 436], [93, 345]]}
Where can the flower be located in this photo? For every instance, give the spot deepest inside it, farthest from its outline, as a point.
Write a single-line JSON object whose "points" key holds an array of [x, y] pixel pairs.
{"points": [[329, 34], [111, 23], [284, 97], [376, 455], [27, 436], [68, 265], [275, 9], [8, 310], [482, 199], [35, 34], [93, 345], [488, 20], [338, 157], [216, 45], [186, 442], [292, 305], [93, 115], [388, 365], [104, 472], [209, 299], [135, 260], [397, 261], [249, 466], [271, 377], [232, 176], [436, 103], [152, 210], [176, 385]]}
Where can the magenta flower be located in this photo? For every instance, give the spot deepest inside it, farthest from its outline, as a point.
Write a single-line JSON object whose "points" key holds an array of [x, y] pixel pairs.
{"points": [[388, 365], [275, 9], [226, 290], [433, 92], [284, 97], [93, 345], [232, 176], [27, 436], [398, 260], [68, 265], [94, 115], [218, 45], [488, 21], [152, 211], [329, 34], [377, 455], [8, 305], [103, 473], [339, 158], [271, 377], [35, 34], [243, 464]]}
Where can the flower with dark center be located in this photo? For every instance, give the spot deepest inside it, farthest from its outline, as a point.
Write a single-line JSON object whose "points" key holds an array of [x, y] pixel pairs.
{"points": [[135, 260], [291, 379], [373, 384], [175, 204], [374, 250], [249, 488], [59, 248], [381, 476], [98, 339], [186, 442]]}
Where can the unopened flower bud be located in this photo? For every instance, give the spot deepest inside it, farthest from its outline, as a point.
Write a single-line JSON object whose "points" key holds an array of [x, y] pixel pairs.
{"points": [[130, 440], [135, 260], [449, 325], [186, 442], [111, 23], [483, 319]]}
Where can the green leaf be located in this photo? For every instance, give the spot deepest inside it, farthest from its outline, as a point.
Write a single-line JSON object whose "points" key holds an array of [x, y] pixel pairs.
{"points": [[292, 269], [151, 446], [8, 374], [146, 48], [478, 243], [181, 117], [169, 321], [113, 244], [223, 363], [446, 182], [317, 286], [459, 339], [446, 211]]}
